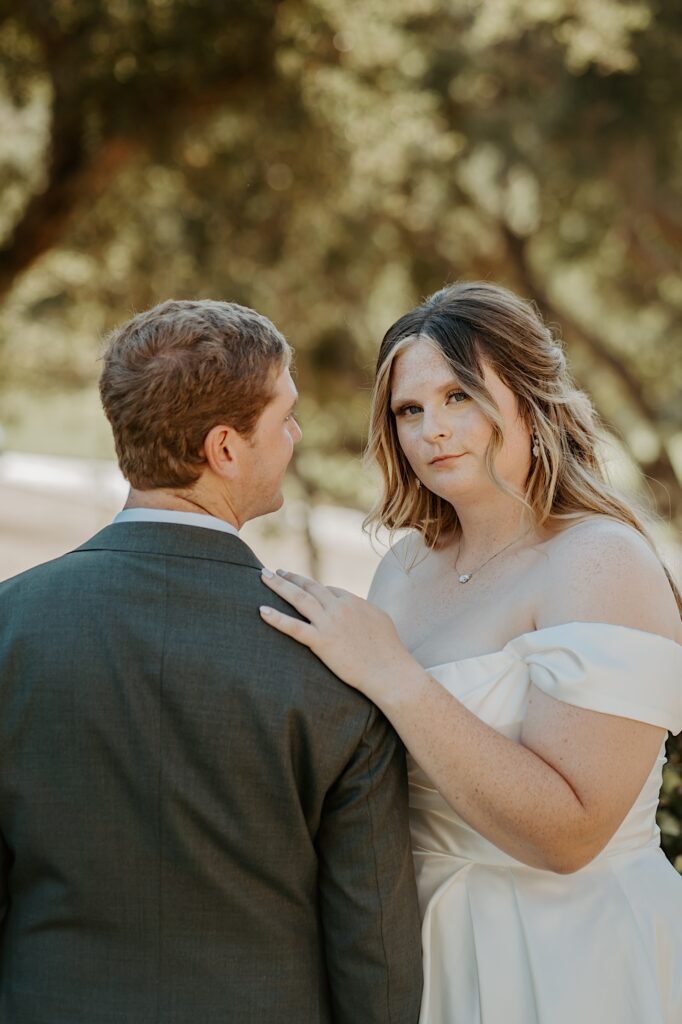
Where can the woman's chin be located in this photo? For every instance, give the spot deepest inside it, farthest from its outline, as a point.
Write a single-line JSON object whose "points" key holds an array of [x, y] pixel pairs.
{"points": [[456, 490]]}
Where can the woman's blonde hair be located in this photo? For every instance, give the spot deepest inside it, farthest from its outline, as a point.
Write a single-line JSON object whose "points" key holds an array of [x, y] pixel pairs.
{"points": [[468, 323]]}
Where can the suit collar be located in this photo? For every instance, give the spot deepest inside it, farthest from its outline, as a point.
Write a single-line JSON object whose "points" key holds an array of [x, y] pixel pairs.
{"points": [[175, 540]]}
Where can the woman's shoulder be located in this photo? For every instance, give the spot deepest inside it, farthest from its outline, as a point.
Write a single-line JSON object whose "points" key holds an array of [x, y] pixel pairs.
{"points": [[598, 535], [603, 570], [598, 542], [404, 556]]}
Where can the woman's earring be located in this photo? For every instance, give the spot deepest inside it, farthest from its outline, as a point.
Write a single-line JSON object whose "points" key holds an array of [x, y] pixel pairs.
{"points": [[536, 443], [419, 483]]}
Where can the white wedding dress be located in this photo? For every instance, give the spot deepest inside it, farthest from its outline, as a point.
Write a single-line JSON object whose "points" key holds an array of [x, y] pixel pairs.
{"points": [[509, 944]]}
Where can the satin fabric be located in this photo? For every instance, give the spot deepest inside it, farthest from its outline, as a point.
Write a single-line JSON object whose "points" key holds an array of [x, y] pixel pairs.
{"points": [[509, 944]]}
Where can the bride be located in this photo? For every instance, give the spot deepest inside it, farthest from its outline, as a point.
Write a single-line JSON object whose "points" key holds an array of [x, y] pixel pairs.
{"points": [[524, 640]]}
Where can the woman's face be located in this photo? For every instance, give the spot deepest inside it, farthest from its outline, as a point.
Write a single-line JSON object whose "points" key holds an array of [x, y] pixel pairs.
{"points": [[444, 433]]}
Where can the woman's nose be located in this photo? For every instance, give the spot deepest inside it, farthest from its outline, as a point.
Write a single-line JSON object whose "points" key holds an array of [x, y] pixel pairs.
{"points": [[434, 425]]}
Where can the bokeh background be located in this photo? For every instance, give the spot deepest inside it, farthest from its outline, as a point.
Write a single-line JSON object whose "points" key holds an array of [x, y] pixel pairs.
{"points": [[330, 163]]}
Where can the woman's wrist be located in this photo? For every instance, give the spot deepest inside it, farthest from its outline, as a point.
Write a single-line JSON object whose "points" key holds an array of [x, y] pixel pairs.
{"points": [[398, 687]]}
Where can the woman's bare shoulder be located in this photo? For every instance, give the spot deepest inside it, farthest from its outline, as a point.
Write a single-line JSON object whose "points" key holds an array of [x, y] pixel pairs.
{"points": [[395, 566], [603, 570], [594, 533]]}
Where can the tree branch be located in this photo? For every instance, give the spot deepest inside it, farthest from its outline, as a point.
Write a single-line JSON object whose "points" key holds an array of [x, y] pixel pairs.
{"points": [[72, 176], [77, 170]]}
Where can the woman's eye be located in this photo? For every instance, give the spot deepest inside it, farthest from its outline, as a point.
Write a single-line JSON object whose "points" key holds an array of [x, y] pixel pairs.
{"points": [[412, 410]]}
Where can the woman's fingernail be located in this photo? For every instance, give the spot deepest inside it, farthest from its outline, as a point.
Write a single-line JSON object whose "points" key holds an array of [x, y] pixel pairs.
{"points": [[266, 572], [282, 572], [264, 610]]}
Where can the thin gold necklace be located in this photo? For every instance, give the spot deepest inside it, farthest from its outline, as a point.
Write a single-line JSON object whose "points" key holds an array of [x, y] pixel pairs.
{"points": [[464, 577]]}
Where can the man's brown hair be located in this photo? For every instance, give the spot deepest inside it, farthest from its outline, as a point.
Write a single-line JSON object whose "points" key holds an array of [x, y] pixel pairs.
{"points": [[174, 372]]}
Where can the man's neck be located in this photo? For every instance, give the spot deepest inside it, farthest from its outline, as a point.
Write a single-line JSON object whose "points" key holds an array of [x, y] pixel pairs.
{"points": [[172, 501]]}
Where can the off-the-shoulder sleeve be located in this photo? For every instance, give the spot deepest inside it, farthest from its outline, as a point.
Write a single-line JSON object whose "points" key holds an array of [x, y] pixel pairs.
{"points": [[612, 669]]}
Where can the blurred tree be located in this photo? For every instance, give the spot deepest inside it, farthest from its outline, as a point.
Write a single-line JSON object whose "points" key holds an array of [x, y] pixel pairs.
{"points": [[117, 77], [332, 163], [670, 805]]}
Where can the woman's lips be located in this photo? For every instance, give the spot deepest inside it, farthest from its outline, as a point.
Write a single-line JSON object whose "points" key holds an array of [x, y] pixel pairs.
{"points": [[441, 459]]}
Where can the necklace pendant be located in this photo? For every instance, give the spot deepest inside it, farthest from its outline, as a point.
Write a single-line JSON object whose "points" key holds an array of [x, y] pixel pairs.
{"points": [[465, 577]]}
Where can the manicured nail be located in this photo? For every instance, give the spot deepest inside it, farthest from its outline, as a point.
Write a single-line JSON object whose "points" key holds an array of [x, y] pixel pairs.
{"points": [[264, 610], [266, 572], [282, 572]]}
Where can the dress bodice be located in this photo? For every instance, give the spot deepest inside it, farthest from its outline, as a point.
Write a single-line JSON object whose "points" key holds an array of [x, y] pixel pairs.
{"points": [[610, 669]]}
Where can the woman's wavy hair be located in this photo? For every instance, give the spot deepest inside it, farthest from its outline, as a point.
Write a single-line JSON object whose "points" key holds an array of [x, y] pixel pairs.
{"points": [[474, 321]]}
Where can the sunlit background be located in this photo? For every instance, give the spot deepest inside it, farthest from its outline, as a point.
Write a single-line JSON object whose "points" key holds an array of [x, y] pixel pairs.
{"points": [[331, 163]]}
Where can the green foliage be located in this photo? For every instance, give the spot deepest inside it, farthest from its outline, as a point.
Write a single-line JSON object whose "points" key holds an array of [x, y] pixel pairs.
{"points": [[670, 806]]}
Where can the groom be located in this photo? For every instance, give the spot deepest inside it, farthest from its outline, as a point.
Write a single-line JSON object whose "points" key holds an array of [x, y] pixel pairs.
{"points": [[199, 822]]}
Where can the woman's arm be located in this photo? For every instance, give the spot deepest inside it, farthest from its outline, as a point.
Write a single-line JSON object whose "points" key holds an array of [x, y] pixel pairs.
{"points": [[554, 799]]}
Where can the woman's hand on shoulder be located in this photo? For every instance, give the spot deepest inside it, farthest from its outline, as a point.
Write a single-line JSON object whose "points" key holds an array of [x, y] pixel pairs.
{"points": [[602, 570], [356, 640]]}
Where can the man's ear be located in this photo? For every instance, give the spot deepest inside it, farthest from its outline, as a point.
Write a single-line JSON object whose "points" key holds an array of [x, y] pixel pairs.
{"points": [[221, 450]]}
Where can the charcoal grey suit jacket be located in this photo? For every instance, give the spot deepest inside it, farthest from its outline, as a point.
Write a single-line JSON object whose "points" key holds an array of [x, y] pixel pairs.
{"points": [[200, 823]]}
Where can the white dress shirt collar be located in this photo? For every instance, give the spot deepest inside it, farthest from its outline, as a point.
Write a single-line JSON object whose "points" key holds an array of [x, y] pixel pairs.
{"points": [[165, 515]]}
